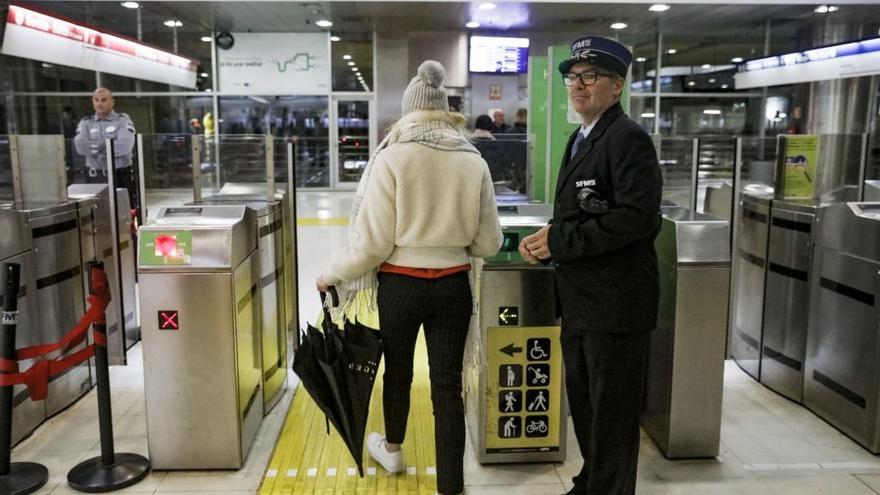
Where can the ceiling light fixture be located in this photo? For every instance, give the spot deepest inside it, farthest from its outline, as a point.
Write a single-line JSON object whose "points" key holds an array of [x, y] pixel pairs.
{"points": [[641, 59], [173, 23], [487, 6], [472, 25], [130, 5], [724, 86], [335, 38], [659, 7], [648, 115], [736, 60], [692, 83], [822, 9], [204, 74], [706, 66], [833, 8], [619, 25], [346, 57], [354, 69], [712, 81], [672, 51], [324, 23], [351, 63], [206, 39], [711, 111]]}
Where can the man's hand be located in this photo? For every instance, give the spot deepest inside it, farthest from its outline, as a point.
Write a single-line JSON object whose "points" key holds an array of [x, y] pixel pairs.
{"points": [[321, 285], [536, 245], [524, 252]]}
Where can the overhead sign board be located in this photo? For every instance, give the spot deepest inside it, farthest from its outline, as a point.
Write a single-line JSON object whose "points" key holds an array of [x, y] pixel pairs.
{"points": [[276, 64], [853, 59], [37, 36]]}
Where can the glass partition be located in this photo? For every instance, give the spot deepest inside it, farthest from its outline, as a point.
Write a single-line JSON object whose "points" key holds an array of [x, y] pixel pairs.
{"points": [[168, 178], [6, 195], [872, 169], [758, 162], [716, 160], [312, 161], [676, 157], [839, 166], [507, 158]]}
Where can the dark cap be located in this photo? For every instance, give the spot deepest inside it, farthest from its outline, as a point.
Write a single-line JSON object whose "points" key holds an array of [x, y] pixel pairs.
{"points": [[600, 51]]}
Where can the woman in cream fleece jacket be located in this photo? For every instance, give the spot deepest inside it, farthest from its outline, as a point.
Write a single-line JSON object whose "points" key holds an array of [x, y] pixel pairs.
{"points": [[425, 206]]}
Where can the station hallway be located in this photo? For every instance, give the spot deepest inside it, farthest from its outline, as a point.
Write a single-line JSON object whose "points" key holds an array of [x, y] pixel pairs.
{"points": [[769, 445]]}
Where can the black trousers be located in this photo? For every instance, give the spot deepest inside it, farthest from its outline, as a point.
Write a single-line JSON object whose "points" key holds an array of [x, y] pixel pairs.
{"points": [[443, 306], [605, 381]]}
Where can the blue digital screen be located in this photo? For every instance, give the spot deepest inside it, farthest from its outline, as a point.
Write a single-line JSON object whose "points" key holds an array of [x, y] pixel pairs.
{"points": [[496, 55]]}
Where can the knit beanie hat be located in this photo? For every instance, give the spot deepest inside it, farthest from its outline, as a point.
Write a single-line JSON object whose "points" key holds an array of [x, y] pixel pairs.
{"points": [[426, 91]]}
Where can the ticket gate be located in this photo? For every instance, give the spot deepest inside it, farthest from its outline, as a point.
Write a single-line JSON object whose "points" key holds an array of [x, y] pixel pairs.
{"points": [[842, 372], [514, 383], [51, 230], [96, 243], [15, 248], [744, 344], [198, 289], [787, 297], [257, 192], [685, 375], [273, 329]]}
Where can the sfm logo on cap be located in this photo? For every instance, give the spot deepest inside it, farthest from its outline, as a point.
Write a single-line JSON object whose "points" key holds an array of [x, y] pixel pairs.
{"points": [[582, 44]]}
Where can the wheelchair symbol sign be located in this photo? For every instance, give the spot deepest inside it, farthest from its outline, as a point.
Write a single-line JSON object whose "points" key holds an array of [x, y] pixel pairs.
{"points": [[538, 349]]}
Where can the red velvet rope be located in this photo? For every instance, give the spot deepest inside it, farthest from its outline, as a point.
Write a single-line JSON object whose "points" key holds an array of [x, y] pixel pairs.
{"points": [[36, 378]]}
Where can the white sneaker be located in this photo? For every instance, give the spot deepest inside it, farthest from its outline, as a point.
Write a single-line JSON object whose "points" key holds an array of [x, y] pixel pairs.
{"points": [[391, 461]]}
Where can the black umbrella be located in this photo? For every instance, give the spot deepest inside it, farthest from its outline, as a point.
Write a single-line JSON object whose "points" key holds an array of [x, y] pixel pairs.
{"points": [[338, 369]]}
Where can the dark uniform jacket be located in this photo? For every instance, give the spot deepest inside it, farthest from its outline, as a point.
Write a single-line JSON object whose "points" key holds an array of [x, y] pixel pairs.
{"points": [[606, 267]]}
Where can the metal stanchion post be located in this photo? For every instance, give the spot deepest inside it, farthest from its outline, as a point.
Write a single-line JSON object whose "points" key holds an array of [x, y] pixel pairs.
{"points": [[110, 471], [18, 477]]}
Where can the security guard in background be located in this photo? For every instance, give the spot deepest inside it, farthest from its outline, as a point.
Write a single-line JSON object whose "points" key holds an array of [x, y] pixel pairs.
{"points": [[90, 141], [601, 241]]}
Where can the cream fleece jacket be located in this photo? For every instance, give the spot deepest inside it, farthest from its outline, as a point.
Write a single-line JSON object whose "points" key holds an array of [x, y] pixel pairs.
{"points": [[422, 208]]}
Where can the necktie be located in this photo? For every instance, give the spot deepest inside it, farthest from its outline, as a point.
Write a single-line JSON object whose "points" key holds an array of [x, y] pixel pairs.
{"points": [[578, 142]]}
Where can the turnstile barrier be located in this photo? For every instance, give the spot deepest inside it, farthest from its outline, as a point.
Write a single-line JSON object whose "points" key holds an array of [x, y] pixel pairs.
{"points": [[685, 375], [199, 277], [746, 332], [514, 383], [842, 372], [787, 297]]}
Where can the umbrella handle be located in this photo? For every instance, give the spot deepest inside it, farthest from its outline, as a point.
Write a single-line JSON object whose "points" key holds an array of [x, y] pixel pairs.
{"points": [[334, 296]]}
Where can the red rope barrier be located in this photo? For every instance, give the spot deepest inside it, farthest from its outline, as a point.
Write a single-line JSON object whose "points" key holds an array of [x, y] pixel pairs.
{"points": [[36, 378]]}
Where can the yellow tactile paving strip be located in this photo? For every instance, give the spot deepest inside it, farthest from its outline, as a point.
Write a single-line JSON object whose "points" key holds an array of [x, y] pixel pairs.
{"points": [[307, 461], [317, 222]]}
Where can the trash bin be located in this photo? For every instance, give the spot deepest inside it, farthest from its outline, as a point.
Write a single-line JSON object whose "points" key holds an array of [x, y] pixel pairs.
{"points": [[200, 304], [686, 360], [514, 383], [842, 370]]}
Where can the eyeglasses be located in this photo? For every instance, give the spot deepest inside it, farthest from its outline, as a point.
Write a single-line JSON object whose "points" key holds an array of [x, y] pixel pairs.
{"points": [[587, 78]]}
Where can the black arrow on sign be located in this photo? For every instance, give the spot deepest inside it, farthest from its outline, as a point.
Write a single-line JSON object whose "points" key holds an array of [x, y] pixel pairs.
{"points": [[510, 349]]}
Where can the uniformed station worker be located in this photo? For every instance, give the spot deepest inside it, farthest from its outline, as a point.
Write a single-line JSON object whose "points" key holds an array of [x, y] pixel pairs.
{"points": [[90, 142], [601, 241]]}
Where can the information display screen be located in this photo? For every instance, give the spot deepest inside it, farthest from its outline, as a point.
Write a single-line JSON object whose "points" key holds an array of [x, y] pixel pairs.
{"points": [[499, 55]]}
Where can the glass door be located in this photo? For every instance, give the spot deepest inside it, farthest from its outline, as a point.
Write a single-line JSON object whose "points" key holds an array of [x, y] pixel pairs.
{"points": [[352, 136]]}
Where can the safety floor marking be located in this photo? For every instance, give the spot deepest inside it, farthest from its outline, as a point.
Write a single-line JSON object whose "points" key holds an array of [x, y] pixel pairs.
{"points": [[305, 448], [320, 222]]}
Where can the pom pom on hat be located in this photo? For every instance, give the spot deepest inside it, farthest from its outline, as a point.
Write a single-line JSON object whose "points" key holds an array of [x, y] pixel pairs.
{"points": [[432, 73], [425, 91]]}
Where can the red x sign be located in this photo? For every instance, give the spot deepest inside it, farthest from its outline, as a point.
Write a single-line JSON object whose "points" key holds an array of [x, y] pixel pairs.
{"points": [[168, 320]]}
